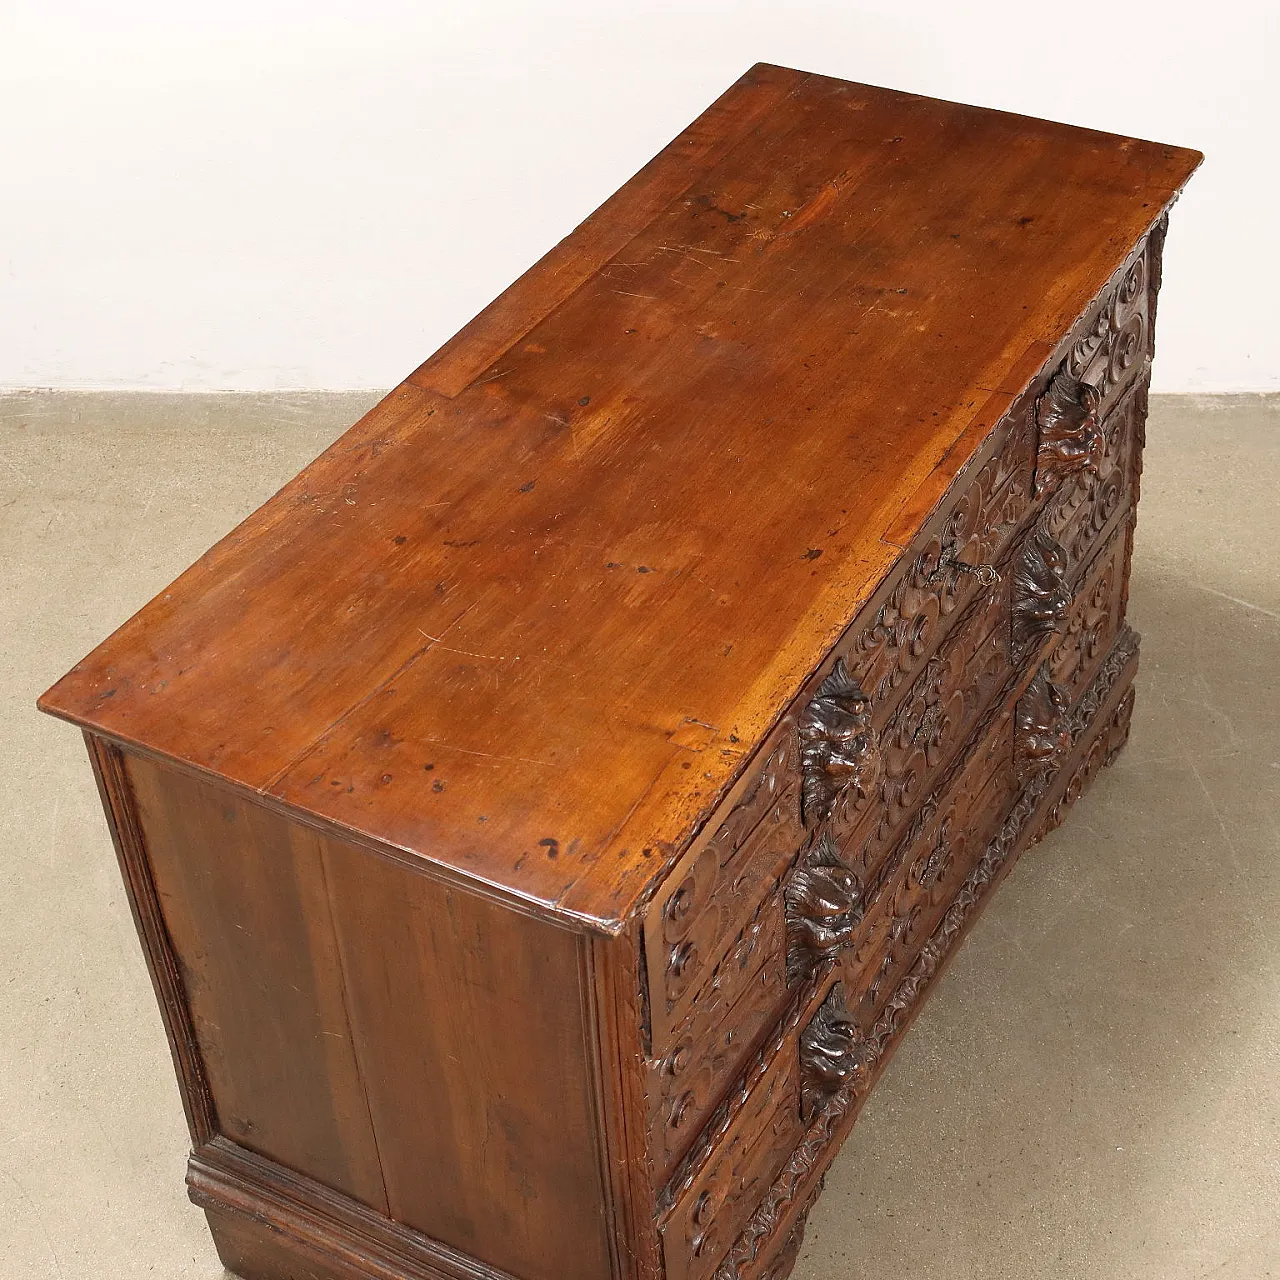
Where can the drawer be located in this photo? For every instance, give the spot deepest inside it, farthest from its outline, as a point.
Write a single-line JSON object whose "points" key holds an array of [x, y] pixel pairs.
{"points": [[708, 1214], [1113, 344], [716, 889], [1108, 355], [819, 1056], [1108, 729], [948, 838], [1094, 617], [929, 727], [729, 1018], [1080, 513], [746, 989]]}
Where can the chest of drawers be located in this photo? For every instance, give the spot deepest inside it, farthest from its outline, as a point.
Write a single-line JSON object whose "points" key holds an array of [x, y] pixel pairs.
{"points": [[543, 818]]}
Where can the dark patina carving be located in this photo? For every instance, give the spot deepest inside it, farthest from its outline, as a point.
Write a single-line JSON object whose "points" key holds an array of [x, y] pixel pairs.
{"points": [[1070, 440], [1043, 733], [838, 748], [832, 1053], [822, 902], [1041, 595]]}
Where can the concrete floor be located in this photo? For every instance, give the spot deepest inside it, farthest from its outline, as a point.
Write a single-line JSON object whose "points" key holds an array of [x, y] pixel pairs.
{"points": [[1094, 1089]]}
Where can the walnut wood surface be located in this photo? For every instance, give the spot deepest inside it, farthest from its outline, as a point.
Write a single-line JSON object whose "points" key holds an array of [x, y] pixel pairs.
{"points": [[544, 818], [527, 619], [385, 1034]]}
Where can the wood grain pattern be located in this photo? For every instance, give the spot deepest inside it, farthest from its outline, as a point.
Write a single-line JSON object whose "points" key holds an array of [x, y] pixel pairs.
{"points": [[383, 1032], [270, 1222], [527, 523], [545, 816]]}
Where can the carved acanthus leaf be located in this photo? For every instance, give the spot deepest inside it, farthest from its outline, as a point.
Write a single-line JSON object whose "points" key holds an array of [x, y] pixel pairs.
{"points": [[1043, 735], [832, 1054], [838, 747], [1041, 595], [822, 902], [1070, 441]]}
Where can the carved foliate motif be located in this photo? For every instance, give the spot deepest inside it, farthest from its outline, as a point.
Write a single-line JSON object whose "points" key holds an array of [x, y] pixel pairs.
{"points": [[1069, 440], [838, 747], [832, 1054], [1102, 750], [929, 725], [1043, 738], [1117, 338], [1096, 612], [822, 904], [1041, 595]]}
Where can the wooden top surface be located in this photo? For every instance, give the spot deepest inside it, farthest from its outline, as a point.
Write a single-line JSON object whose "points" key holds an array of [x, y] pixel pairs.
{"points": [[527, 618]]}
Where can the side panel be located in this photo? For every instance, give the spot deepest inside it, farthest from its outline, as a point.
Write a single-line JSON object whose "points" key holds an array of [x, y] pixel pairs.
{"points": [[243, 898], [417, 1049], [471, 1028]]}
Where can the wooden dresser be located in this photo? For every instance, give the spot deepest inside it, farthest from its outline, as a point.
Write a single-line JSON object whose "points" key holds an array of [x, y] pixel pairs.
{"points": [[546, 814]]}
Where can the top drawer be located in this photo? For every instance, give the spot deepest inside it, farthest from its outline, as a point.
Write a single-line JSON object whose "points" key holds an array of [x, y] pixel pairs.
{"points": [[897, 653]]}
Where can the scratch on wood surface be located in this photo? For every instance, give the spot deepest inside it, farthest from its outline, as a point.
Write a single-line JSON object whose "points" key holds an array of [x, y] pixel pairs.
{"points": [[466, 653], [651, 296], [491, 755]]}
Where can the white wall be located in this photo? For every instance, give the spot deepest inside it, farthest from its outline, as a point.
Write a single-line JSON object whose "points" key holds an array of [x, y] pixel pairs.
{"points": [[262, 194]]}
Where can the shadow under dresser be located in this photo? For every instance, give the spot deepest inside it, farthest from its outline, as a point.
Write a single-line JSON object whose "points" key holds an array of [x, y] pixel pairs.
{"points": [[545, 815]]}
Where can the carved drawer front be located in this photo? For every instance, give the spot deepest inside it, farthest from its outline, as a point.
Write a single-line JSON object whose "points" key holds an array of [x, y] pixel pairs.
{"points": [[922, 878], [811, 882], [717, 887], [823, 1055], [1113, 344], [707, 938], [1094, 616], [1089, 417], [728, 1019], [711, 1210], [1084, 508], [1106, 732], [929, 592], [929, 728]]}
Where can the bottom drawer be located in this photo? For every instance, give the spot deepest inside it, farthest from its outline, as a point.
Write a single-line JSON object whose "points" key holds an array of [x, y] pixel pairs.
{"points": [[925, 878], [712, 1209], [1098, 740]]}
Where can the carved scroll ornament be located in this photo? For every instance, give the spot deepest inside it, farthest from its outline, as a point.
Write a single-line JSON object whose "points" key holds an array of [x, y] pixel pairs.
{"points": [[832, 1053], [1070, 440], [838, 747], [1041, 595], [822, 903]]}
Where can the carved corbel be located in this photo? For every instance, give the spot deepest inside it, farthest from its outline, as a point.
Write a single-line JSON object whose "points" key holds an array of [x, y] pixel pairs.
{"points": [[1070, 441], [838, 747], [822, 904], [1043, 738], [833, 1054], [1041, 595]]}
